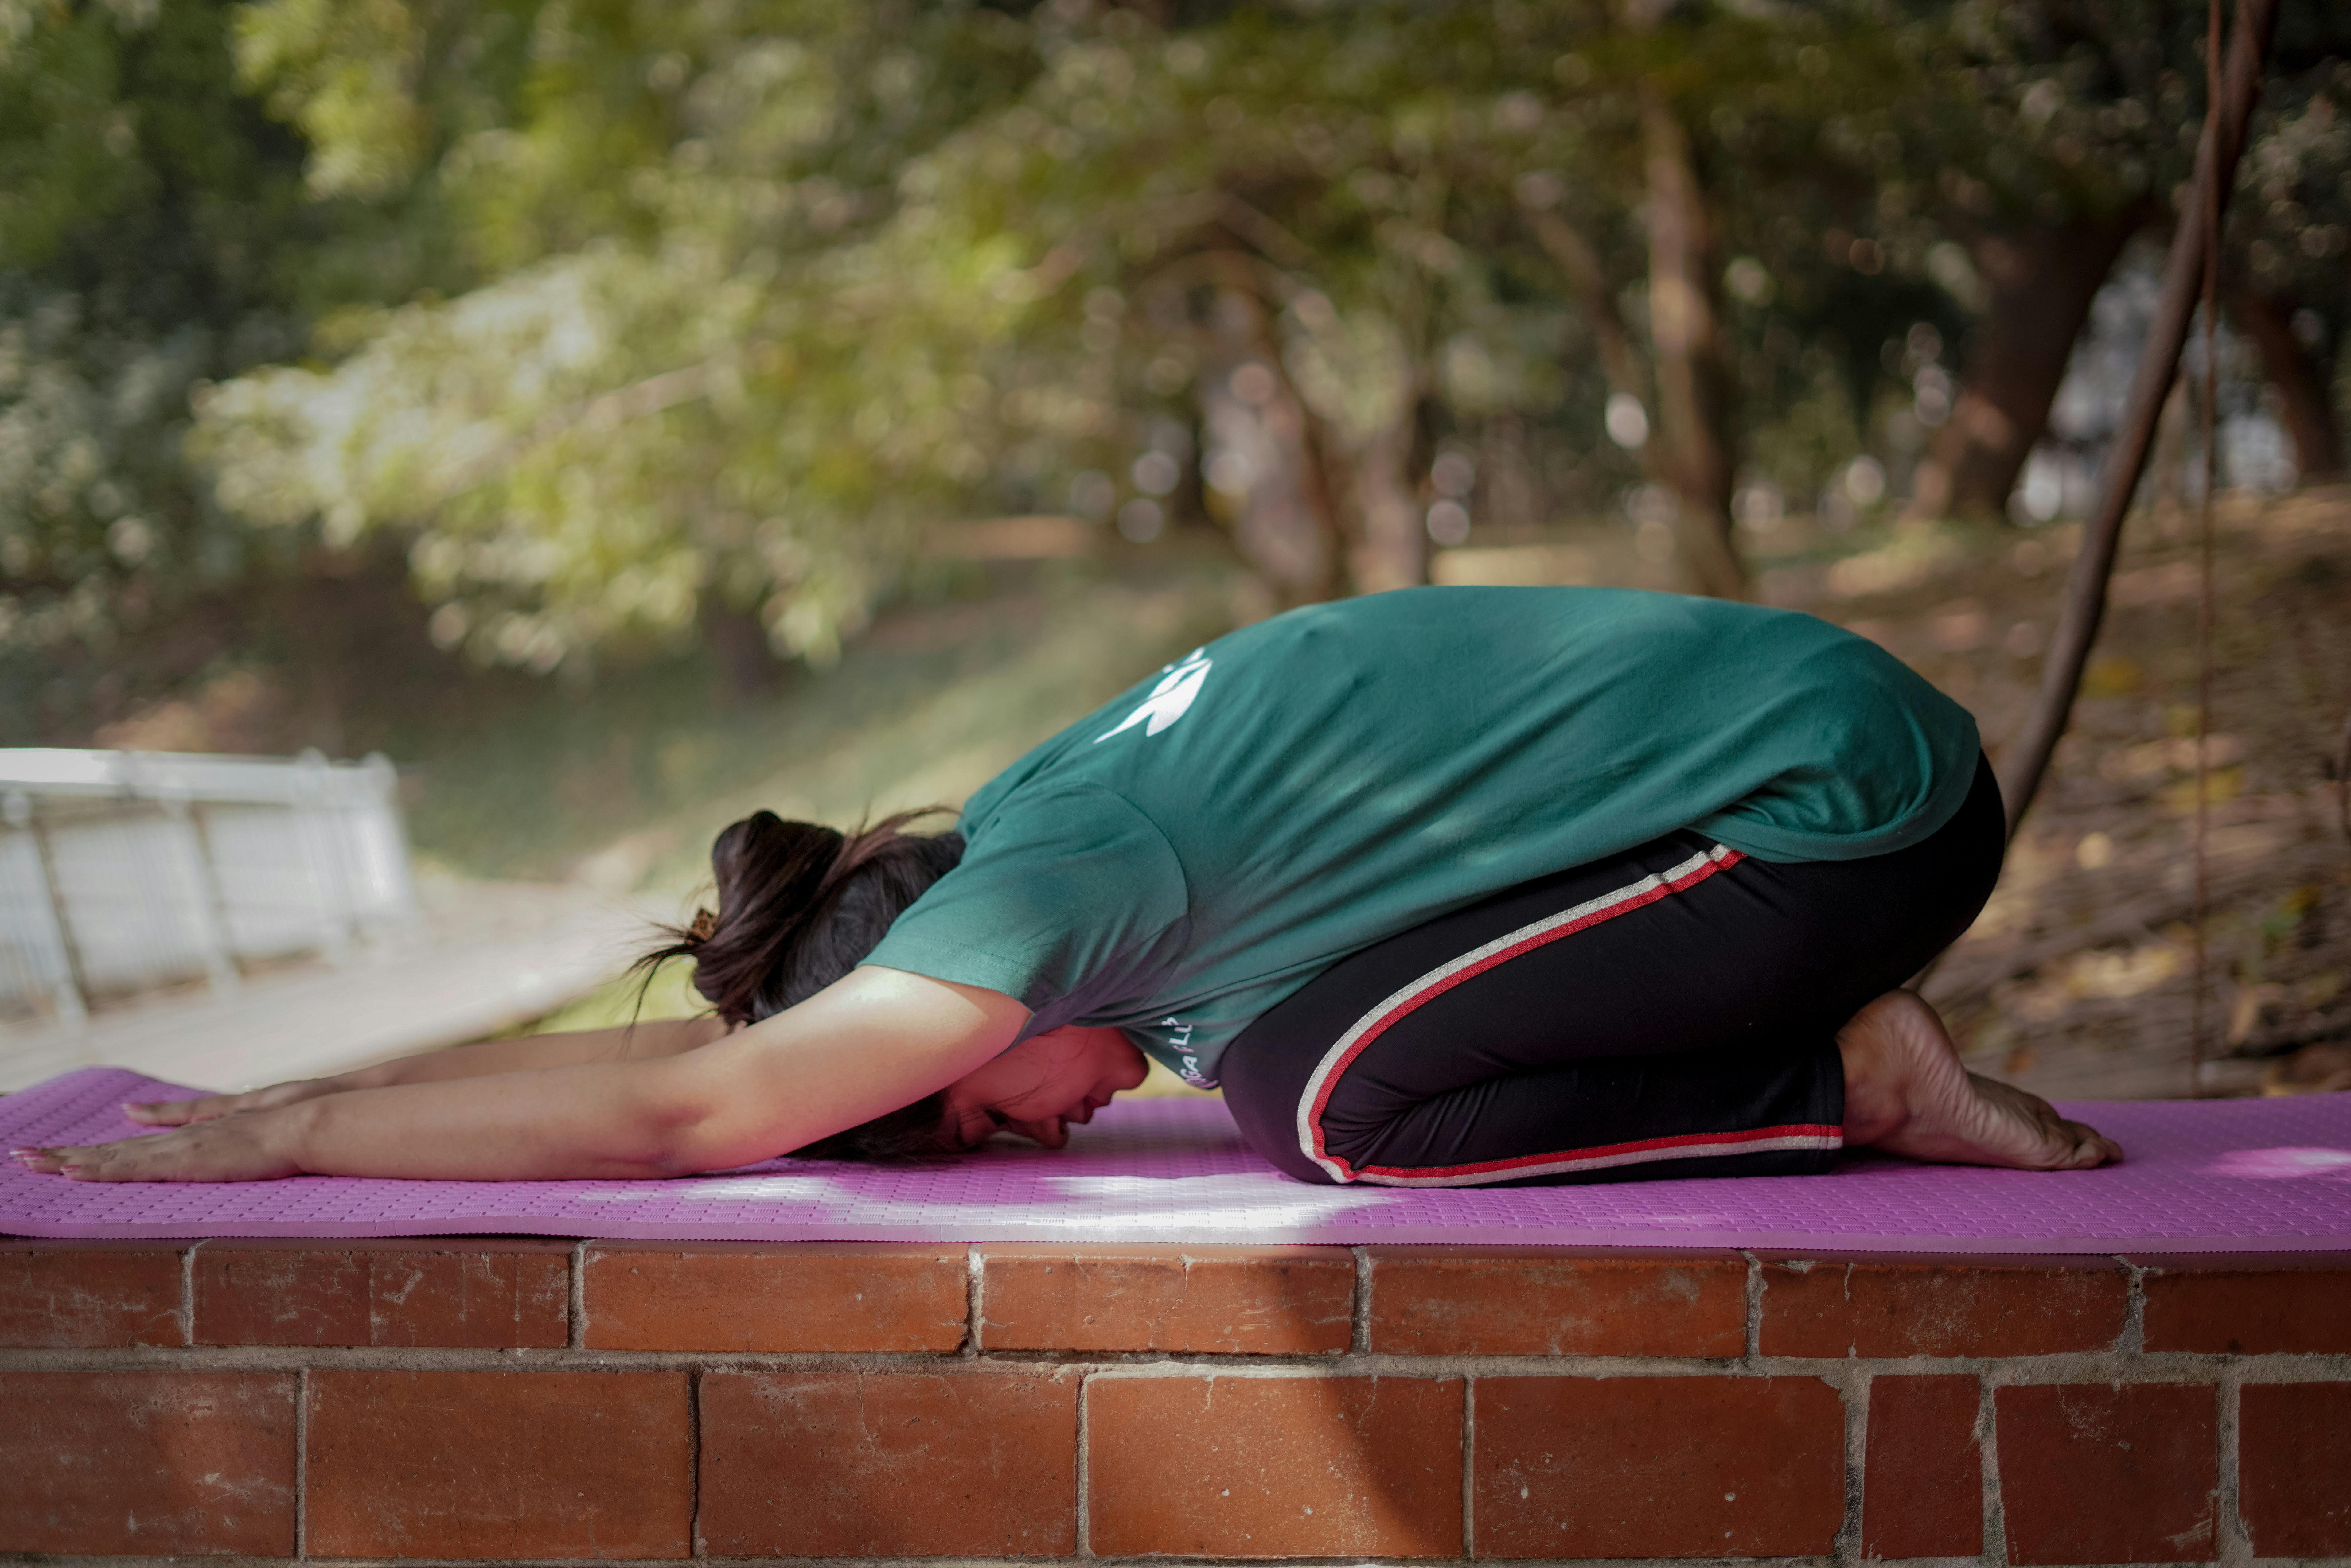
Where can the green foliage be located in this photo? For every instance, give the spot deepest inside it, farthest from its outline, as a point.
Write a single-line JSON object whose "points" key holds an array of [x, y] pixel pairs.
{"points": [[147, 212], [622, 314], [717, 357], [2293, 221]]}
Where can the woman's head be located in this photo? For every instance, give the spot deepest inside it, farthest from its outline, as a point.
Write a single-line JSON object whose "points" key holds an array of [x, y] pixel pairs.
{"points": [[1040, 1086], [800, 905]]}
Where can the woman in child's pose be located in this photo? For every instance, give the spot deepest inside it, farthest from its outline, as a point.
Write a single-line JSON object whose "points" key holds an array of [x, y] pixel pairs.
{"points": [[1445, 887]]}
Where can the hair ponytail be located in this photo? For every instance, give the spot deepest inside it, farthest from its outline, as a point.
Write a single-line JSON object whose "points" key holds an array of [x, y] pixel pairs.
{"points": [[800, 905]]}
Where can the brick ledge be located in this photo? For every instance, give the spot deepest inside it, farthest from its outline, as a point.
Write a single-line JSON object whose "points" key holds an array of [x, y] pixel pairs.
{"points": [[521, 1399]]}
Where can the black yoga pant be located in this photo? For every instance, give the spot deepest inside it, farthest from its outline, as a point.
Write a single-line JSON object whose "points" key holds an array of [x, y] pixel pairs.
{"points": [[1669, 1012]]}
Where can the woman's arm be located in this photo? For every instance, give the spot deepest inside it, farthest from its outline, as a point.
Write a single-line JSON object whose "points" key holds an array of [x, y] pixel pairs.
{"points": [[646, 1037], [870, 1042]]}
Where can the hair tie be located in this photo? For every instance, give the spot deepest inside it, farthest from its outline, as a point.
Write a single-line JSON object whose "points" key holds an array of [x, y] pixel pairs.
{"points": [[704, 926]]}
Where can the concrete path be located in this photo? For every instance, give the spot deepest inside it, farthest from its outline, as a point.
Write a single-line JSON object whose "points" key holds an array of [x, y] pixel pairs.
{"points": [[487, 955]]}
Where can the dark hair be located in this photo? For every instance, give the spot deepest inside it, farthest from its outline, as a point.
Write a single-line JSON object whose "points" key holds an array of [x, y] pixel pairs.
{"points": [[800, 905]]}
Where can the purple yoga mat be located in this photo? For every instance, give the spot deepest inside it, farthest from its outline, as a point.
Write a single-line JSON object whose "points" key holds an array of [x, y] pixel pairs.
{"points": [[2234, 1175]]}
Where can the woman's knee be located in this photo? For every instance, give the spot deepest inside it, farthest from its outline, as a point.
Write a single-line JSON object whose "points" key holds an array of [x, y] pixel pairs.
{"points": [[1263, 1101]]}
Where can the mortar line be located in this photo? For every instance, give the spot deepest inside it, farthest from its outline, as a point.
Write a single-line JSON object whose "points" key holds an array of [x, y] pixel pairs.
{"points": [[694, 1542], [1751, 1351], [302, 1464], [576, 1305], [1995, 1512], [2132, 1341], [1084, 1533], [188, 1296], [1359, 1331], [2069, 1366], [2232, 1542], [975, 1302], [1171, 1560], [1469, 1468], [1857, 1391]]}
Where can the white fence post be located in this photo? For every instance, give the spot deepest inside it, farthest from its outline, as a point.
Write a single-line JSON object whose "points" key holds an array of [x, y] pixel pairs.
{"points": [[49, 949], [120, 871], [211, 922]]}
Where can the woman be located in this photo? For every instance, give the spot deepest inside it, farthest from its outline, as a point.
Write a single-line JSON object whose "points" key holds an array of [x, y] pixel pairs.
{"points": [[1446, 887]]}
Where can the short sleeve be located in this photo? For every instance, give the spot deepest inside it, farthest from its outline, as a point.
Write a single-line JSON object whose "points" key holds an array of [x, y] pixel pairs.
{"points": [[1069, 894]]}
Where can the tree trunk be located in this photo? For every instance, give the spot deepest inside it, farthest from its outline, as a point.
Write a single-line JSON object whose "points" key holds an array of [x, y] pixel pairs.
{"points": [[2025, 761], [1364, 510], [1284, 525], [1580, 263], [2308, 410], [1691, 356], [742, 658], [1381, 546], [1394, 550], [2042, 281]]}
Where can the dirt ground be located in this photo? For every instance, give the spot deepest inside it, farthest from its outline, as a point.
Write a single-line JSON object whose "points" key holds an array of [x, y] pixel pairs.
{"points": [[2081, 976]]}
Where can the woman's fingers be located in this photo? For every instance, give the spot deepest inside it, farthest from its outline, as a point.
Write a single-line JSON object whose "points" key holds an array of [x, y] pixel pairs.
{"points": [[227, 1149], [50, 1161]]}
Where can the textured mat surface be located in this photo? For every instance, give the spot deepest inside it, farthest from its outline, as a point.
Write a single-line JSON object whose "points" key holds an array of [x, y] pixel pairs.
{"points": [[2243, 1175]]}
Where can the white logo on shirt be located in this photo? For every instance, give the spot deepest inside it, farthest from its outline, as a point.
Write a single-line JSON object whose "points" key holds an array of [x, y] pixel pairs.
{"points": [[1189, 1062], [1170, 699]]}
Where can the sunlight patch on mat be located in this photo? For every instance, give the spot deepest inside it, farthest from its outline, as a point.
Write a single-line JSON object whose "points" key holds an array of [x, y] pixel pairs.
{"points": [[2284, 1165]]}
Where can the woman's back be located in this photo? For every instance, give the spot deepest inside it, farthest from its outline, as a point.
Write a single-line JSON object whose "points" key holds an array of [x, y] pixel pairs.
{"points": [[1194, 851]]}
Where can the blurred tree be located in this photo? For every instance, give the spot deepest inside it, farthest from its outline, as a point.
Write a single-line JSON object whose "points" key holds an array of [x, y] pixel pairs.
{"points": [[768, 286], [731, 300], [155, 234], [703, 372], [2067, 128], [2289, 284], [2061, 123], [148, 218]]}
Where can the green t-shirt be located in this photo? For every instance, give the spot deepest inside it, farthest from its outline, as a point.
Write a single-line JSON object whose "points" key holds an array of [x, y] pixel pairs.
{"points": [[1196, 851]]}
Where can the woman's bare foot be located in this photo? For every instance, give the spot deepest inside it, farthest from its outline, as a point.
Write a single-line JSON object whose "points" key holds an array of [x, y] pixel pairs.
{"points": [[1907, 1093]]}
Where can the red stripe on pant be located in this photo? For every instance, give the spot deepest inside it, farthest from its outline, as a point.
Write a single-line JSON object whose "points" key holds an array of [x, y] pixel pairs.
{"points": [[1436, 982]]}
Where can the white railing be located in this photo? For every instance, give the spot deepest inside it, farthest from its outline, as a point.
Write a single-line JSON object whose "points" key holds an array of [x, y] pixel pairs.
{"points": [[122, 870]]}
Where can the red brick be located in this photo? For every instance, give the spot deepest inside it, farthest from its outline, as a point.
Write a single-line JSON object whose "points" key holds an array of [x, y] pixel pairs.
{"points": [[1527, 1300], [2098, 1473], [151, 1463], [492, 1293], [1922, 1482], [1235, 1300], [753, 1296], [1942, 1306], [1658, 1466], [2254, 1306], [83, 1295], [915, 1464], [498, 1464], [1274, 1467], [2294, 1455]]}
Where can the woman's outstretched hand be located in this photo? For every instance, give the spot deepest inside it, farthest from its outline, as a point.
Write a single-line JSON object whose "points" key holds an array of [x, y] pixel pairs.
{"points": [[227, 1149], [869, 1043], [209, 1107]]}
